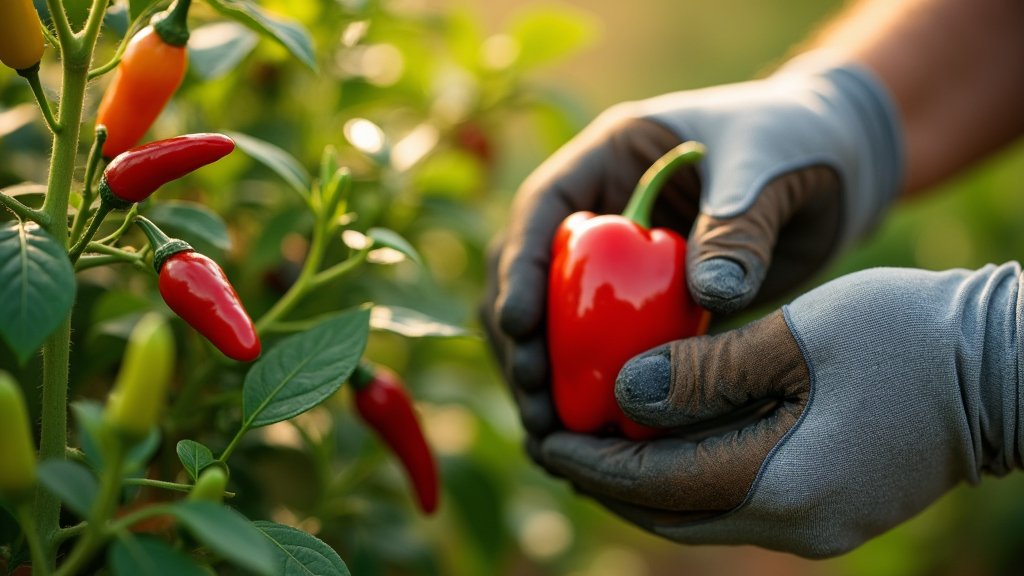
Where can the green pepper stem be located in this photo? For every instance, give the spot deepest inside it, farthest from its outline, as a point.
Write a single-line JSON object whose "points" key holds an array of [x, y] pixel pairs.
{"points": [[94, 226], [95, 154], [31, 74], [163, 246], [646, 192], [173, 28]]}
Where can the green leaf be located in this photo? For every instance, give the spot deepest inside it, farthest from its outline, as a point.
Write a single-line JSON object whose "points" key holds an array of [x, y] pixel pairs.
{"points": [[282, 163], [216, 49], [411, 323], [227, 533], [38, 286], [95, 438], [385, 238], [194, 457], [72, 482], [192, 221], [290, 34], [305, 369], [145, 556], [297, 553], [550, 32]]}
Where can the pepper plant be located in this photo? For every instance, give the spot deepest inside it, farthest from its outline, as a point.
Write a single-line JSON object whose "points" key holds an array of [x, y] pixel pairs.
{"points": [[148, 292]]}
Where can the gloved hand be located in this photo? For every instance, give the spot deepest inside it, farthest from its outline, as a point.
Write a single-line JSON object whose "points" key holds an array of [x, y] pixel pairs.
{"points": [[798, 165], [887, 388]]}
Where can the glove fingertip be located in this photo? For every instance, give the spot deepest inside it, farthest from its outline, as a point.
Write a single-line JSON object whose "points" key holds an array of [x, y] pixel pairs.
{"points": [[721, 285]]}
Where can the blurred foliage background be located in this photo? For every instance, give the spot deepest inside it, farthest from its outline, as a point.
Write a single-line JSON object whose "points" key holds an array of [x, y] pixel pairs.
{"points": [[441, 108]]}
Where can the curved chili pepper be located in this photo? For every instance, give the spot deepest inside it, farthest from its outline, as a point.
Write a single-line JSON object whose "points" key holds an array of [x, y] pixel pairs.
{"points": [[199, 292], [151, 69], [21, 36], [139, 392], [384, 404], [135, 174], [616, 288], [18, 472]]}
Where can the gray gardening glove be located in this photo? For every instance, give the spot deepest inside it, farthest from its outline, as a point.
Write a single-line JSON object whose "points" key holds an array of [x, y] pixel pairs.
{"points": [[885, 389], [798, 166]]}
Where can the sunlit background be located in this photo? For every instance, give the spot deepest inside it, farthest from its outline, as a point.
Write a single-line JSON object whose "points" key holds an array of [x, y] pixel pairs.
{"points": [[441, 108]]}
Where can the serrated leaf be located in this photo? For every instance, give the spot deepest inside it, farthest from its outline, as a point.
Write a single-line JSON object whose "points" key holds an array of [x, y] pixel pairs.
{"points": [[194, 457], [145, 556], [38, 286], [227, 533], [549, 32], [73, 483], [282, 163], [411, 323], [305, 369], [385, 238], [216, 49], [297, 553], [192, 221], [290, 34]]}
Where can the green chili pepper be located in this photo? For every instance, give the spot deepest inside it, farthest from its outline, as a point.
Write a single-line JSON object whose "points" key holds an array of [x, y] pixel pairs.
{"points": [[138, 395], [18, 471]]}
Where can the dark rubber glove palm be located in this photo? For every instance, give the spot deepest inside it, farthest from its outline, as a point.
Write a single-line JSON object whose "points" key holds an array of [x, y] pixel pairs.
{"points": [[798, 165], [883, 389]]}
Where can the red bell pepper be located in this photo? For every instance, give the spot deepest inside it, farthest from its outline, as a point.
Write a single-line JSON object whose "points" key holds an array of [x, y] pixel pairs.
{"points": [[616, 288], [384, 404]]}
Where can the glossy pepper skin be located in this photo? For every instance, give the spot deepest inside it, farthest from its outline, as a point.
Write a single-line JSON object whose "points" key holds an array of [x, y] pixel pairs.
{"points": [[18, 472], [140, 391], [21, 36], [384, 404], [197, 290], [616, 288], [135, 174], [151, 69]]}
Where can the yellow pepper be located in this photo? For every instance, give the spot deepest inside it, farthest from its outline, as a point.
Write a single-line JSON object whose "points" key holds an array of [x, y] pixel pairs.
{"points": [[134, 405], [18, 472], [21, 35]]}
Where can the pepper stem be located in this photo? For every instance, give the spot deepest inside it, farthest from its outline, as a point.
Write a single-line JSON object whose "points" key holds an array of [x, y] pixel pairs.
{"points": [[646, 192], [362, 375], [163, 246], [173, 27]]}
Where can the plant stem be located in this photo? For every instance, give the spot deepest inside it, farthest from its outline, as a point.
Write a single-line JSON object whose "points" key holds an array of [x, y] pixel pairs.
{"points": [[32, 75], [114, 236], [96, 530], [40, 564], [163, 485], [234, 443], [56, 348], [95, 154], [23, 212], [94, 225]]}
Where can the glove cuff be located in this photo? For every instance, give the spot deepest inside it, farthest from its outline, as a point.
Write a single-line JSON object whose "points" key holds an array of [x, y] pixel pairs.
{"points": [[863, 107]]}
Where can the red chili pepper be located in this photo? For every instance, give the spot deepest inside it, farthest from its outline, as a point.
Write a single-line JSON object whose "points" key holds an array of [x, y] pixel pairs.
{"points": [[384, 404], [133, 175], [198, 291], [151, 69], [616, 288]]}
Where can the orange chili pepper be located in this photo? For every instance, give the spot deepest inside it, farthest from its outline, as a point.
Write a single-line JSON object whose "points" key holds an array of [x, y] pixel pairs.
{"points": [[151, 69]]}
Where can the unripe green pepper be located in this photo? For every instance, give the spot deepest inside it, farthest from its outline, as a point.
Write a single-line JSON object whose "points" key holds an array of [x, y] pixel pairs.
{"points": [[210, 485], [18, 471], [134, 405]]}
